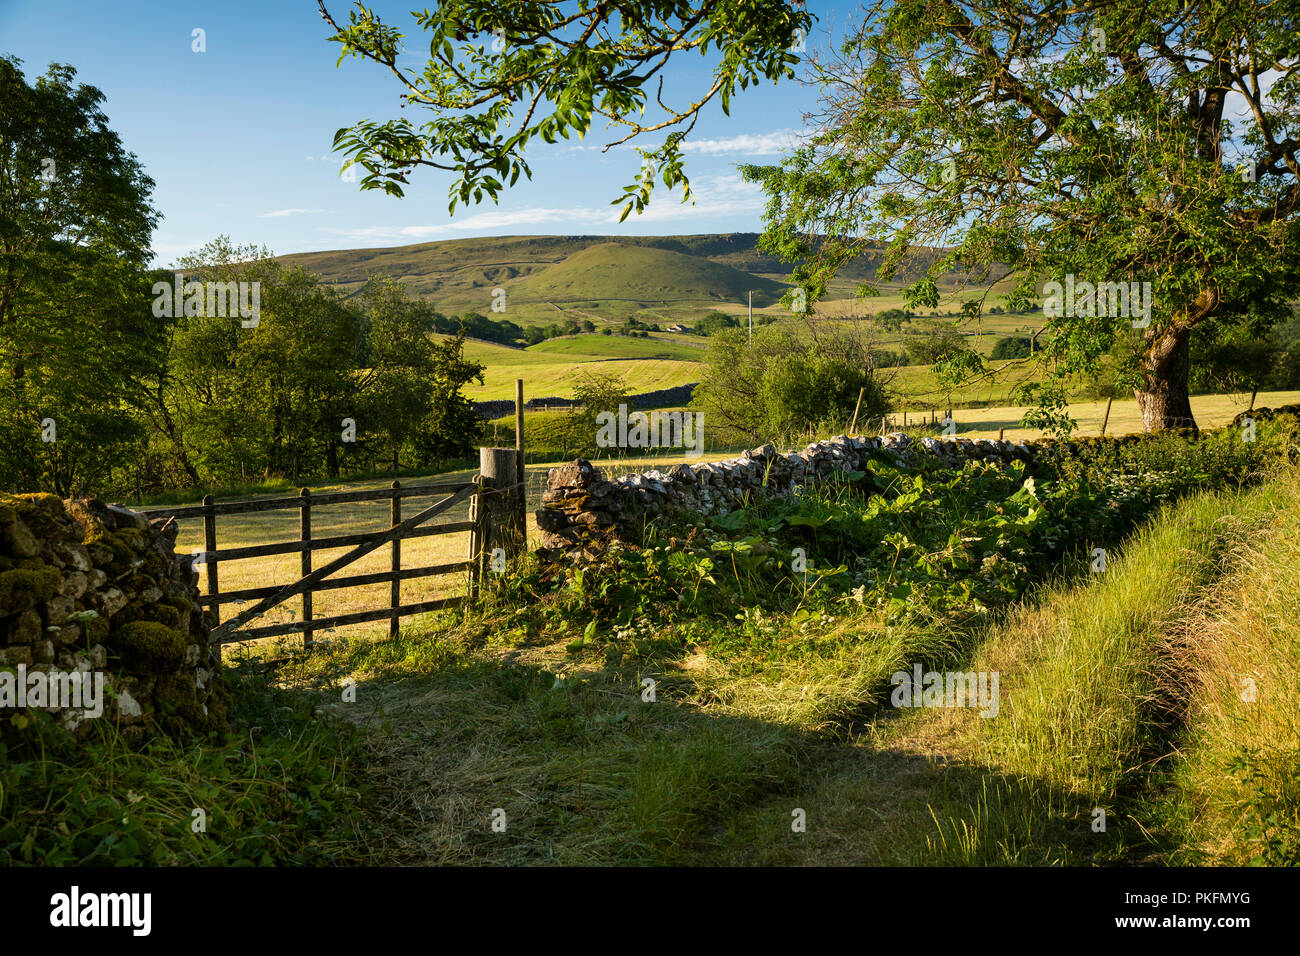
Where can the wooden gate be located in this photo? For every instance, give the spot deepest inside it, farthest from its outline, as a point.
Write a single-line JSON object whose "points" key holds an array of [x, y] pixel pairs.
{"points": [[498, 517], [312, 581]]}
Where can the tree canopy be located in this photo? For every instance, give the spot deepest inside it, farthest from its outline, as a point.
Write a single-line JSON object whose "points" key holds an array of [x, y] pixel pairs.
{"points": [[1098, 145], [75, 328], [502, 75]]}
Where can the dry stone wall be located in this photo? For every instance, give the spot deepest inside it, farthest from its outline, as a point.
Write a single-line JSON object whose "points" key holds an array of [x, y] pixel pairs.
{"points": [[95, 589], [581, 510]]}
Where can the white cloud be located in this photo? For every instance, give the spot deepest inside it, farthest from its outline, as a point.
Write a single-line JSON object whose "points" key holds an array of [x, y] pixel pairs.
{"points": [[281, 213], [773, 143], [715, 195], [494, 220], [751, 144]]}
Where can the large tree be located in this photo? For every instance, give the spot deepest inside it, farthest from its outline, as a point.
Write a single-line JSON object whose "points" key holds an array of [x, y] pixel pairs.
{"points": [[1089, 141], [320, 382], [76, 333]]}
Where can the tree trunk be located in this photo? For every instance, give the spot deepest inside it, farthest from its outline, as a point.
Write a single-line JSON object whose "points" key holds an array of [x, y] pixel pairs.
{"points": [[1163, 398]]}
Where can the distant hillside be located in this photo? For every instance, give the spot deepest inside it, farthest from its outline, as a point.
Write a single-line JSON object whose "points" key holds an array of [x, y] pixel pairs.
{"points": [[460, 273], [642, 274]]}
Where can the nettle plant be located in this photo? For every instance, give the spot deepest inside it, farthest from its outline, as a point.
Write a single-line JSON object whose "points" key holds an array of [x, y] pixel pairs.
{"points": [[940, 544], [1151, 142]]}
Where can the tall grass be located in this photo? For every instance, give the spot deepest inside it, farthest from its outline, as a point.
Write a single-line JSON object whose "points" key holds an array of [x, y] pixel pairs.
{"points": [[1096, 678], [283, 787], [1235, 791]]}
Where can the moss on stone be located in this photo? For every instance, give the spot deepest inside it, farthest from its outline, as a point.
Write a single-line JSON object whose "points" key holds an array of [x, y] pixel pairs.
{"points": [[160, 613], [23, 588], [42, 513], [155, 564], [100, 554], [95, 630], [32, 505], [112, 548], [219, 702], [178, 708], [149, 645], [133, 539]]}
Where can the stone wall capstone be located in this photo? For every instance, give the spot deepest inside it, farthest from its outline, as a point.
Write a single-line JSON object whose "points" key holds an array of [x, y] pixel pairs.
{"points": [[96, 588]]}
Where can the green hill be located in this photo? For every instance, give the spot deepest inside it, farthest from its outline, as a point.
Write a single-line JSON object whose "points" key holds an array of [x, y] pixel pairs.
{"points": [[643, 275], [460, 274]]}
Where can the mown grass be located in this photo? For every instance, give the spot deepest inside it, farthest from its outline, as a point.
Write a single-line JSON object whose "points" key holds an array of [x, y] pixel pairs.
{"points": [[583, 769]]}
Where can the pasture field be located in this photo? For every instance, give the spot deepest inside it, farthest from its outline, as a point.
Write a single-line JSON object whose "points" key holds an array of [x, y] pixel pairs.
{"points": [[1211, 411], [665, 359], [554, 367], [611, 347], [659, 361]]}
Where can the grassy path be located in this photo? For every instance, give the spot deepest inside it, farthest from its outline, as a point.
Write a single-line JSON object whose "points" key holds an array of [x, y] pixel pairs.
{"points": [[1118, 691], [1099, 683]]}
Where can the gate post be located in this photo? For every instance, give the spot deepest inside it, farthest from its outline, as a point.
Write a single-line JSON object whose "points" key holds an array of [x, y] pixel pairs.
{"points": [[395, 588], [499, 507], [475, 555], [521, 473], [304, 527], [210, 545]]}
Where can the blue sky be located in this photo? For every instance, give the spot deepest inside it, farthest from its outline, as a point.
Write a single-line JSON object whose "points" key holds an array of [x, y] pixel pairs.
{"points": [[238, 138]]}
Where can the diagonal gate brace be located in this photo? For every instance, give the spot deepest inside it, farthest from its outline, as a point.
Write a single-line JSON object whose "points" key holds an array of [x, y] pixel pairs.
{"points": [[360, 551]]}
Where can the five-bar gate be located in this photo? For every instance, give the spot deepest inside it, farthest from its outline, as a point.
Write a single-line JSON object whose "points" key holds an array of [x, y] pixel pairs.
{"points": [[315, 580]]}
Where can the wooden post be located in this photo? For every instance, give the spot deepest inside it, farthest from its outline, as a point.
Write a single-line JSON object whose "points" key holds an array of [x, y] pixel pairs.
{"points": [[1001, 431], [499, 509], [857, 408], [520, 472], [210, 545], [1253, 393], [475, 550], [304, 533], [395, 587], [1106, 418]]}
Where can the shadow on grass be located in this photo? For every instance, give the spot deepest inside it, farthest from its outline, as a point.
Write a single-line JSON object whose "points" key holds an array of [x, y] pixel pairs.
{"points": [[505, 762]]}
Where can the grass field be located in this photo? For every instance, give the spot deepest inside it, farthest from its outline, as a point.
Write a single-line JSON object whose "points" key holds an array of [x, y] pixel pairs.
{"points": [[552, 368], [1212, 411], [588, 347], [664, 359]]}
